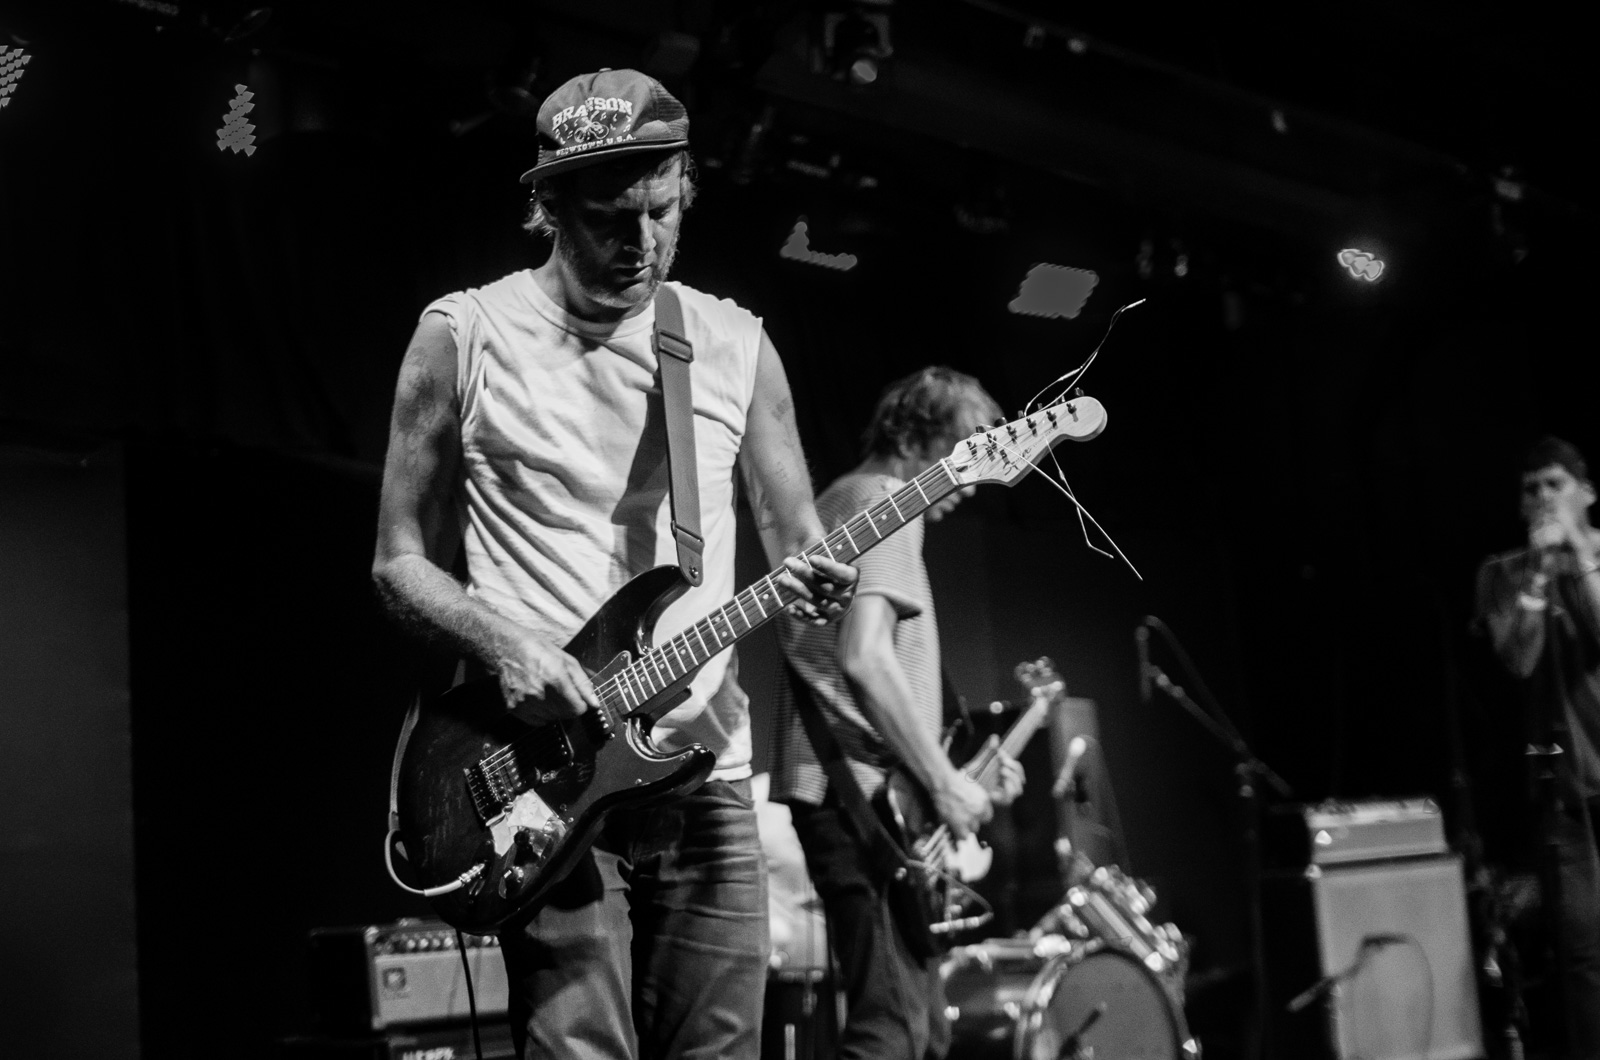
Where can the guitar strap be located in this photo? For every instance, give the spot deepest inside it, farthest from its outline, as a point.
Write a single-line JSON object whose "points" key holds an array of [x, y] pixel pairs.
{"points": [[886, 854], [674, 353]]}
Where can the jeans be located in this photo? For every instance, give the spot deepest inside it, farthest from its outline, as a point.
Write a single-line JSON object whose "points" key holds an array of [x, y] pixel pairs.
{"points": [[895, 1001], [1577, 838], [656, 946]]}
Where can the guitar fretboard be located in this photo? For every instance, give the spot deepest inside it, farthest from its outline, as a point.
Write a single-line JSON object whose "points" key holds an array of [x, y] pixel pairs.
{"points": [[985, 765], [633, 687]]}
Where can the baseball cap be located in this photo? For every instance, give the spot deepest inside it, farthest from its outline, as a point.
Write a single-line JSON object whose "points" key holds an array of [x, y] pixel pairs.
{"points": [[606, 115]]}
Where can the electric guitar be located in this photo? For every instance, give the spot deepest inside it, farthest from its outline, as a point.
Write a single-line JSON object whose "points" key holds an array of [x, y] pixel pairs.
{"points": [[494, 810], [935, 901]]}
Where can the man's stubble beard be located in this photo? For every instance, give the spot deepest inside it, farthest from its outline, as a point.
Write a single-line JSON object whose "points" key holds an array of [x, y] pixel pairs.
{"points": [[595, 283]]}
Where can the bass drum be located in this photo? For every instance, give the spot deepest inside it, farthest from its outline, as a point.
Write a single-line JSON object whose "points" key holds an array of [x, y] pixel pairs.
{"points": [[1112, 1004], [985, 987]]}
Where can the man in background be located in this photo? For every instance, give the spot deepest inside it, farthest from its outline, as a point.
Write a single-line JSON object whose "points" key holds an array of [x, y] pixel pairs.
{"points": [[1540, 606], [876, 678]]}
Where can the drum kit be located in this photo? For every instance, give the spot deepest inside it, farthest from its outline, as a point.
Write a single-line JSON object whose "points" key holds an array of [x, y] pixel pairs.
{"points": [[1094, 980]]}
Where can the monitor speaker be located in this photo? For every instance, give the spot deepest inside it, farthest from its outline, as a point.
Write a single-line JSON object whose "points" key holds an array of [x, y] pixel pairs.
{"points": [[1372, 961]]}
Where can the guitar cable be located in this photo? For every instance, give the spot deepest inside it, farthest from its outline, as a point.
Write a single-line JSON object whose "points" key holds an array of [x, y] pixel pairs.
{"points": [[472, 873], [949, 926], [472, 998]]}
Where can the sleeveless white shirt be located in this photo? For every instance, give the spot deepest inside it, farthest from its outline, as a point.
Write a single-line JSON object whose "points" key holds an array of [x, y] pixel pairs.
{"points": [[565, 483]]}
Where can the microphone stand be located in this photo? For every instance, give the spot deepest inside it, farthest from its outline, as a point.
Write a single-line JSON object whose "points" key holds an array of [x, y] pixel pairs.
{"points": [[1551, 734], [1249, 773]]}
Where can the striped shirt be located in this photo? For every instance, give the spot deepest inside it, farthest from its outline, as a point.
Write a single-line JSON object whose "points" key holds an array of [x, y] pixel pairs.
{"points": [[893, 569]]}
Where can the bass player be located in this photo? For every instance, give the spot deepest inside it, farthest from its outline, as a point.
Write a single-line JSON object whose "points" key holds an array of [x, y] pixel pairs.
{"points": [[875, 676], [528, 430]]}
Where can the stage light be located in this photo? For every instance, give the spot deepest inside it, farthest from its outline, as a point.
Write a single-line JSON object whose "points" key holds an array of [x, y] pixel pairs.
{"points": [[1053, 291], [12, 61], [798, 248], [1361, 264], [236, 131]]}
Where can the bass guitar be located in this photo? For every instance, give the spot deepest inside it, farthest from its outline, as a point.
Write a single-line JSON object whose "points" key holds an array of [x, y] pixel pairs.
{"points": [[934, 900], [494, 810]]}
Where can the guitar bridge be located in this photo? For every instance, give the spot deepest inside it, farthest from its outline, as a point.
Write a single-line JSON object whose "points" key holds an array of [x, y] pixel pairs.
{"points": [[496, 779]]}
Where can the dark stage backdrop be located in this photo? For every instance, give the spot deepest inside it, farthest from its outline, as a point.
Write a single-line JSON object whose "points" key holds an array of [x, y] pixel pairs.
{"points": [[66, 820], [1304, 470], [267, 696]]}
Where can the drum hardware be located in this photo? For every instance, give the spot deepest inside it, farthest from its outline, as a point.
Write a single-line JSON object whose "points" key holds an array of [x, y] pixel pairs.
{"points": [[1110, 907], [1086, 999], [1070, 1047]]}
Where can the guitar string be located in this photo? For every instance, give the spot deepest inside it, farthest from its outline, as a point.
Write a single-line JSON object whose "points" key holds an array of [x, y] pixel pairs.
{"points": [[784, 596], [611, 693]]}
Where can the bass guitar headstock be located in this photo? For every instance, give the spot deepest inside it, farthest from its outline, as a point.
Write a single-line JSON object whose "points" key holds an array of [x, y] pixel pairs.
{"points": [[1040, 678]]}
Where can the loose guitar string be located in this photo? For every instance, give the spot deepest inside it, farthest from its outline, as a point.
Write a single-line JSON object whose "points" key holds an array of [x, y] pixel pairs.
{"points": [[1075, 377], [1083, 513], [1082, 526]]}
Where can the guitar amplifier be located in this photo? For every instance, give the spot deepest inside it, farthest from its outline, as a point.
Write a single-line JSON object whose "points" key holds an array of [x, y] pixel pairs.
{"points": [[407, 973], [445, 1042], [1342, 833]]}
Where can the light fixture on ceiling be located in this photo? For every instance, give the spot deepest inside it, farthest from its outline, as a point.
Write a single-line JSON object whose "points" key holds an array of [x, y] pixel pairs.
{"points": [[1054, 291], [798, 248], [1362, 264]]}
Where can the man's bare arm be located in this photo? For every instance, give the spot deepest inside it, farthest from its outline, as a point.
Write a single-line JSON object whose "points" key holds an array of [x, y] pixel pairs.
{"points": [[873, 671], [415, 528], [774, 470]]}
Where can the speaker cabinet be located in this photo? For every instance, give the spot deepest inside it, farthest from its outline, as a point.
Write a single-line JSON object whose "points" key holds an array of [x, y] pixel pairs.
{"points": [[1388, 943]]}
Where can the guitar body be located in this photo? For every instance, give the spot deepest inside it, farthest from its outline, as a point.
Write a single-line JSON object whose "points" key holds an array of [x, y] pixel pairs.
{"points": [[922, 898], [932, 900], [479, 786]]}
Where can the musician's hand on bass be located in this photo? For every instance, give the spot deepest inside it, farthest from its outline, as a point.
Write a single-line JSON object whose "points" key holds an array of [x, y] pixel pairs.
{"points": [[962, 803], [543, 682], [1009, 783]]}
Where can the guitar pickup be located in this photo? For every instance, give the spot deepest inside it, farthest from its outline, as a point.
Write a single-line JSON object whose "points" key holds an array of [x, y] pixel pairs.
{"points": [[536, 757]]}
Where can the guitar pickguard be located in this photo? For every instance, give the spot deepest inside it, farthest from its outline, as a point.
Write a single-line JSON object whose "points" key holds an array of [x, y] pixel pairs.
{"points": [[531, 813]]}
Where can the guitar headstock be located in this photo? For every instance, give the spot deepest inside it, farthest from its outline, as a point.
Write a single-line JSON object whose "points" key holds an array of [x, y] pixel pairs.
{"points": [[1008, 452], [1040, 678]]}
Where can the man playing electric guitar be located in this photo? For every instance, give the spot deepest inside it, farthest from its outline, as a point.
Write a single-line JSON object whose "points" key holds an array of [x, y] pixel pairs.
{"points": [[876, 677], [528, 428]]}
